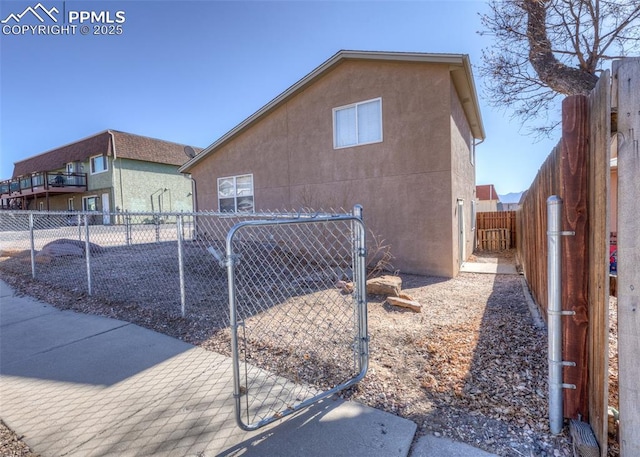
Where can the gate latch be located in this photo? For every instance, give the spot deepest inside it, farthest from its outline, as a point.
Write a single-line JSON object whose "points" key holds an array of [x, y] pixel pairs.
{"points": [[224, 261]]}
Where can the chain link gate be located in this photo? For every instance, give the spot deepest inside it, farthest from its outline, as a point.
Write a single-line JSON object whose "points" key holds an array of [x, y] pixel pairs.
{"points": [[296, 337]]}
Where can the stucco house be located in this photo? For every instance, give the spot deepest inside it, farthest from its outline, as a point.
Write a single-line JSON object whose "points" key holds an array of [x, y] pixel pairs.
{"points": [[109, 172], [395, 132], [487, 199]]}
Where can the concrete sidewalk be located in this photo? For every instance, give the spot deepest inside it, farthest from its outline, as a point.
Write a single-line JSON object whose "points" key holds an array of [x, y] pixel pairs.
{"points": [[81, 385], [489, 268]]}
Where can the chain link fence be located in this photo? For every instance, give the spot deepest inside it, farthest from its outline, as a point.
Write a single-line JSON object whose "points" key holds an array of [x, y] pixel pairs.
{"points": [[266, 283]]}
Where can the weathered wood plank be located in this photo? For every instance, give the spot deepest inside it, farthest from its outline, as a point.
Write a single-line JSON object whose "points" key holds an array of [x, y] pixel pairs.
{"points": [[575, 277], [599, 183], [532, 228], [627, 78]]}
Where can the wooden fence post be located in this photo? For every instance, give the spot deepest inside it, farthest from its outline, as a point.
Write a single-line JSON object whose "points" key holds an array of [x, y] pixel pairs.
{"points": [[599, 186], [627, 75], [575, 278]]}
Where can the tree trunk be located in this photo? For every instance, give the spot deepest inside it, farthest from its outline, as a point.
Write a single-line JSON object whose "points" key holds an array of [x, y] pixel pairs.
{"points": [[559, 77]]}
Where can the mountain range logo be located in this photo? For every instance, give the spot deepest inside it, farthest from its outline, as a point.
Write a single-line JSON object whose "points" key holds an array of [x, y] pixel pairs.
{"points": [[38, 11]]}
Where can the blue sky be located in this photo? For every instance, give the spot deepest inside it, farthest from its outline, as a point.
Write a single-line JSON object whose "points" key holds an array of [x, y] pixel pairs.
{"points": [[189, 71]]}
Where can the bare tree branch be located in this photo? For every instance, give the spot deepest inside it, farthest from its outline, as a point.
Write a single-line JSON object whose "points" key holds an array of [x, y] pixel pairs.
{"points": [[546, 48], [558, 76]]}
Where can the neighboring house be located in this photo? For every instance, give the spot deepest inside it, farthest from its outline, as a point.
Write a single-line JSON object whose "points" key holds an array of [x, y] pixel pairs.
{"points": [[510, 206], [109, 172], [488, 199], [394, 132]]}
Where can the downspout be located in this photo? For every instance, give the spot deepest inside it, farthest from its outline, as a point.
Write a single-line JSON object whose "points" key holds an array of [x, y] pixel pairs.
{"points": [[194, 197], [194, 205], [475, 232], [115, 157], [477, 144], [474, 150]]}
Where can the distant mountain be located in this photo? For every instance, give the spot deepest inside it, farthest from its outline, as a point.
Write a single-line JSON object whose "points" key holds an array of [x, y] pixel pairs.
{"points": [[512, 197]]}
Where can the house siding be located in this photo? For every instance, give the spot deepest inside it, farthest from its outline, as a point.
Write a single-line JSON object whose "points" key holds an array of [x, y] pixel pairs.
{"points": [[99, 181], [59, 202], [137, 167], [404, 183], [487, 206], [136, 182]]}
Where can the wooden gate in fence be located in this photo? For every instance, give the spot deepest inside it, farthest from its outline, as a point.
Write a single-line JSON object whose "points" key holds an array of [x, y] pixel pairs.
{"points": [[496, 230]]}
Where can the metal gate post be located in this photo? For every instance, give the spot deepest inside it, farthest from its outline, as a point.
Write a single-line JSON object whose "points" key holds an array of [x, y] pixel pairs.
{"points": [[555, 313], [87, 253], [156, 220], [33, 247], [181, 264], [233, 324], [360, 278], [127, 227]]}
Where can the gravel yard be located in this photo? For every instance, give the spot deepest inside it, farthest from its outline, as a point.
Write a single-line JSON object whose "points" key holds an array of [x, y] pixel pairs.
{"points": [[11, 445], [472, 366]]}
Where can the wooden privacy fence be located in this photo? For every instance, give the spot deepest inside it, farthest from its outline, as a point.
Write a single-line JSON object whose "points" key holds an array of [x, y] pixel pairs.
{"points": [[626, 100], [496, 230], [577, 171]]}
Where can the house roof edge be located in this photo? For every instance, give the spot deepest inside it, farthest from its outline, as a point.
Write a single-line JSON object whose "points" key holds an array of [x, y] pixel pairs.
{"points": [[60, 147]]}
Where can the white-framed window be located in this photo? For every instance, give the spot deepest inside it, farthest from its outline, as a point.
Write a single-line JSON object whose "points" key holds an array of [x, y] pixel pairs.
{"points": [[41, 206], [99, 164], [90, 203], [235, 194], [358, 123], [70, 204]]}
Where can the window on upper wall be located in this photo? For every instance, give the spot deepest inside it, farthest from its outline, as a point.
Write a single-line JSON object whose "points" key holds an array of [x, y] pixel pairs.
{"points": [[99, 164], [235, 194], [359, 123]]}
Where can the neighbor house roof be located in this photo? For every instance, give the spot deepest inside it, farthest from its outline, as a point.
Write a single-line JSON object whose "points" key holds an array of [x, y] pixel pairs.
{"points": [[461, 74], [127, 146], [486, 192]]}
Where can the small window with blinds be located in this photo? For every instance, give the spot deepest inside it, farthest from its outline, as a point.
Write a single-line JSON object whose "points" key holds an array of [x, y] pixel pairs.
{"points": [[358, 123]]}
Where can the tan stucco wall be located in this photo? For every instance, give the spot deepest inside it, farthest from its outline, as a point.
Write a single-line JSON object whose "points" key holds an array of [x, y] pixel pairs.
{"points": [[463, 181], [404, 182]]}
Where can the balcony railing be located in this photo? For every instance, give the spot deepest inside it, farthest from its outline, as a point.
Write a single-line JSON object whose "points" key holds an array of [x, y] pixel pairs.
{"points": [[43, 182]]}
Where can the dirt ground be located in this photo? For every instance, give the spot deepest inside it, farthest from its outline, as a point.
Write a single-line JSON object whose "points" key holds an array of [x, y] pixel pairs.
{"points": [[472, 366]]}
